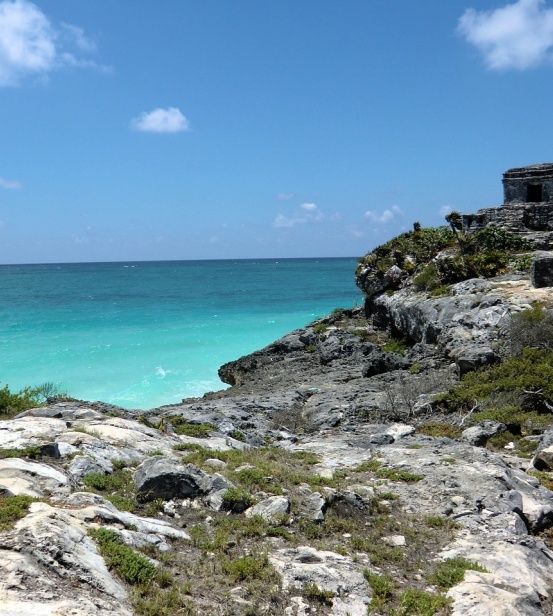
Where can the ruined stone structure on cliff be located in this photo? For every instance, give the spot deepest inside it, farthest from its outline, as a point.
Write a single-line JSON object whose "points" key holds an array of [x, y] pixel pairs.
{"points": [[527, 207]]}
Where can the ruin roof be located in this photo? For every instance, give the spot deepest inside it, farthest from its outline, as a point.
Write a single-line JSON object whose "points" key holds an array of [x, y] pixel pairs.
{"points": [[541, 170]]}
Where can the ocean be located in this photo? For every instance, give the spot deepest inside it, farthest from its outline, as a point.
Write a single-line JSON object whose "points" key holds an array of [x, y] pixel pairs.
{"points": [[145, 334]]}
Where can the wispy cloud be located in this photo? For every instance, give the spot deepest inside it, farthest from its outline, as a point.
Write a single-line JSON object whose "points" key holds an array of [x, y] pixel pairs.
{"points": [[285, 196], [445, 210], [355, 231], [306, 213], [516, 36], [10, 184], [384, 217], [169, 120], [31, 46]]}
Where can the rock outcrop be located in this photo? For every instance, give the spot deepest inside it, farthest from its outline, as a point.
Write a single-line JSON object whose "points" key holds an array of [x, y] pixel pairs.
{"points": [[325, 480]]}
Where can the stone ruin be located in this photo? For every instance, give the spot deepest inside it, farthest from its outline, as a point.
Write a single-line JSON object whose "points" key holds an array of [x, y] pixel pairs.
{"points": [[527, 207], [528, 211]]}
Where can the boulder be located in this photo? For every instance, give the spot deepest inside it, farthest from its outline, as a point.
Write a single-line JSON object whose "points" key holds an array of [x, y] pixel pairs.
{"points": [[480, 434], [269, 508], [50, 566], [542, 271], [161, 477], [333, 572]]}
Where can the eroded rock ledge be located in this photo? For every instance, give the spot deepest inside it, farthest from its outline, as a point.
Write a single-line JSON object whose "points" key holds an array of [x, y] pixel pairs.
{"points": [[349, 489]]}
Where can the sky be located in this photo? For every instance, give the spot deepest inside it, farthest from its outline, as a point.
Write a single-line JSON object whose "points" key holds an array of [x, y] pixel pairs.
{"points": [[225, 129]]}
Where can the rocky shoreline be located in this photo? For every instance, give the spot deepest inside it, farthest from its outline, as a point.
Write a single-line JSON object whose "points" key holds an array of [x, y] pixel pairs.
{"points": [[305, 488]]}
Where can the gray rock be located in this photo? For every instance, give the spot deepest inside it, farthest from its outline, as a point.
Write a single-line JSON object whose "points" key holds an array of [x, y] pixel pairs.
{"points": [[269, 508], [50, 566], [542, 271], [480, 434], [329, 571], [82, 465], [310, 505], [20, 477], [160, 477]]}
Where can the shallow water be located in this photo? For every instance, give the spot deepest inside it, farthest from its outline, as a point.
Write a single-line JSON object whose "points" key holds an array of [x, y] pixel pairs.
{"points": [[150, 333]]}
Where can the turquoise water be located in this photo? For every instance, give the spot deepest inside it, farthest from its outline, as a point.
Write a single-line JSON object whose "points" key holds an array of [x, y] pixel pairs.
{"points": [[150, 333]]}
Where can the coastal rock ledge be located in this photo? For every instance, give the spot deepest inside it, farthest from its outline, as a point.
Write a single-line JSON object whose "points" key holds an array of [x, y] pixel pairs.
{"points": [[356, 466]]}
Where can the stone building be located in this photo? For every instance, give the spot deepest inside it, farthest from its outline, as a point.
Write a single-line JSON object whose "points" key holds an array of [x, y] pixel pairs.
{"points": [[533, 184], [527, 207]]}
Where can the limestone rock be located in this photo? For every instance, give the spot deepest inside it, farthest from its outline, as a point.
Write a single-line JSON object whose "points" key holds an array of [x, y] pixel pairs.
{"points": [[160, 477], [329, 571], [269, 508], [480, 434], [20, 477], [542, 271], [50, 566]]}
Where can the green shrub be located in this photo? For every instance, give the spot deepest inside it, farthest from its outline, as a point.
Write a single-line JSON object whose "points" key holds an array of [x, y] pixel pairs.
{"points": [[237, 500], [429, 279], [437, 429], [395, 345], [518, 392], [248, 568], [312, 592], [103, 481], [31, 451], [498, 238], [13, 403], [451, 572], [522, 263], [382, 587], [132, 567], [185, 427], [416, 602], [440, 521], [531, 328], [13, 508]]}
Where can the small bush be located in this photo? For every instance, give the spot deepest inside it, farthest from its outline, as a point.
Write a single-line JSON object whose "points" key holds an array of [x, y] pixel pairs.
{"points": [[428, 280], [518, 392], [415, 602], [440, 521], [13, 508], [312, 592], [184, 427], [103, 481], [248, 568], [440, 429], [237, 500], [395, 345], [31, 451], [531, 328], [451, 572], [13, 403], [132, 567], [382, 587]]}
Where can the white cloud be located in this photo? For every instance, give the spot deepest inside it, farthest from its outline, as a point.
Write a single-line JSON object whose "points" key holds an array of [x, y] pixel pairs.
{"points": [[11, 184], [445, 210], [285, 196], [31, 45], [306, 213], [516, 36], [388, 215], [161, 121], [355, 231]]}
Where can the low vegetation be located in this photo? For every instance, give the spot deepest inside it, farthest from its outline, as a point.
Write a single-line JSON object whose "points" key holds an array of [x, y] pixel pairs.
{"points": [[436, 257], [13, 508], [13, 403]]}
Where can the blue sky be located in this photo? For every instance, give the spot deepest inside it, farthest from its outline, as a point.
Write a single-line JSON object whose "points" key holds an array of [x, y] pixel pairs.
{"points": [[209, 129]]}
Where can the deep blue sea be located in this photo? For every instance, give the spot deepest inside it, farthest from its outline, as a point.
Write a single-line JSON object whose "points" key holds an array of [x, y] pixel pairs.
{"points": [[145, 334]]}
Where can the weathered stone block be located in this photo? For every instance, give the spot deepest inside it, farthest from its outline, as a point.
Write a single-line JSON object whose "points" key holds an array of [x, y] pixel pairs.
{"points": [[542, 271]]}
